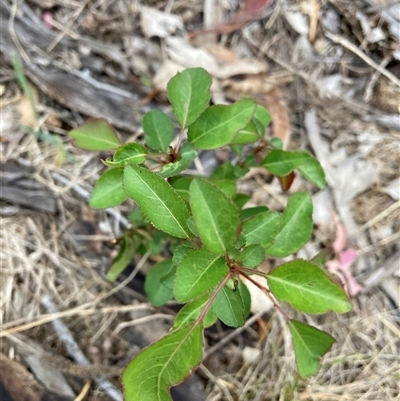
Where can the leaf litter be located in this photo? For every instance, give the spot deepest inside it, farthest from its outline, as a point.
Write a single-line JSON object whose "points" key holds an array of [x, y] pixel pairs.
{"points": [[290, 55]]}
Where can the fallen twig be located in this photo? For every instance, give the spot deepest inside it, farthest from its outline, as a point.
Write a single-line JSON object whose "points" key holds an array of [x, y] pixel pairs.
{"points": [[75, 352]]}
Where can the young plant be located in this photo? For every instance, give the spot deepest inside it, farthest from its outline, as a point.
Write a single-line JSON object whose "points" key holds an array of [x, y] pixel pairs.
{"points": [[210, 239]]}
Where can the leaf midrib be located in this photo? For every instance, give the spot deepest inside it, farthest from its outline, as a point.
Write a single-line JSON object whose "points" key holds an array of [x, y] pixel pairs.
{"points": [[215, 127], [161, 201]]}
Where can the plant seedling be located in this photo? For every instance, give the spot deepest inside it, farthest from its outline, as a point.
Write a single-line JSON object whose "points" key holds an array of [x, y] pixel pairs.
{"points": [[210, 239]]}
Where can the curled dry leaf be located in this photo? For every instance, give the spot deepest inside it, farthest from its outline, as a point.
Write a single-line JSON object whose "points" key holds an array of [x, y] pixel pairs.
{"points": [[343, 261]]}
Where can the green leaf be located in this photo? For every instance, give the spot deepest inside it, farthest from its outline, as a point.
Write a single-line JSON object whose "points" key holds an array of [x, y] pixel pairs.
{"points": [[310, 345], [305, 286], [158, 129], [198, 272], [191, 312], [241, 199], [179, 253], [321, 258], [261, 118], [252, 256], [181, 186], [261, 228], [108, 191], [248, 134], [131, 153], [136, 218], [189, 94], [187, 155], [127, 251], [281, 162], [228, 306], [223, 172], [164, 364], [276, 143], [313, 172], [228, 187], [159, 202], [295, 228], [252, 211], [217, 126], [192, 226], [96, 134], [246, 297], [169, 279], [157, 292], [215, 215]]}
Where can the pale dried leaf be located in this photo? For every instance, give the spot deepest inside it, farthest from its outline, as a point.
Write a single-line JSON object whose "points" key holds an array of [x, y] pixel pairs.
{"points": [[181, 52], [280, 118], [298, 21], [157, 23]]}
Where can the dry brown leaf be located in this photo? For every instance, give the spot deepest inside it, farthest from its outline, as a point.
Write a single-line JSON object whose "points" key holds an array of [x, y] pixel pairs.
{"points": [[280, 117], [252, 10], [25, 109]]}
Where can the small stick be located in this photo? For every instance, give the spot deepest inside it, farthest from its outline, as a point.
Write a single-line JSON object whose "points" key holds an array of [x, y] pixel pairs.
{"points": [[75, 352], [348, 45]]}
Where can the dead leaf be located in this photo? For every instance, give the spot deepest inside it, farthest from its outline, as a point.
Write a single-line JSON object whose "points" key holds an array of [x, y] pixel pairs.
{"points": [[157, 23], [252, 10], [25, 109], [275, 104]]}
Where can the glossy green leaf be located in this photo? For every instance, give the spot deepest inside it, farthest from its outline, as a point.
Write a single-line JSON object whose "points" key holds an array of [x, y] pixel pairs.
{"points": [[192, 310], [96, 134], [181, 186], [127, 251], [310, 345], [261, 228], [198, 272], [159, 202], [252, 256], [131, 153], [282, 162], [187, 155], [313, 172], [248, 134], [252, 211], [218, 125], [305, 286], [189, 94], [108, 191], [164, 364], [229, 307], [157, 292], [295, 227], [158, 129], [215, 215]]}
